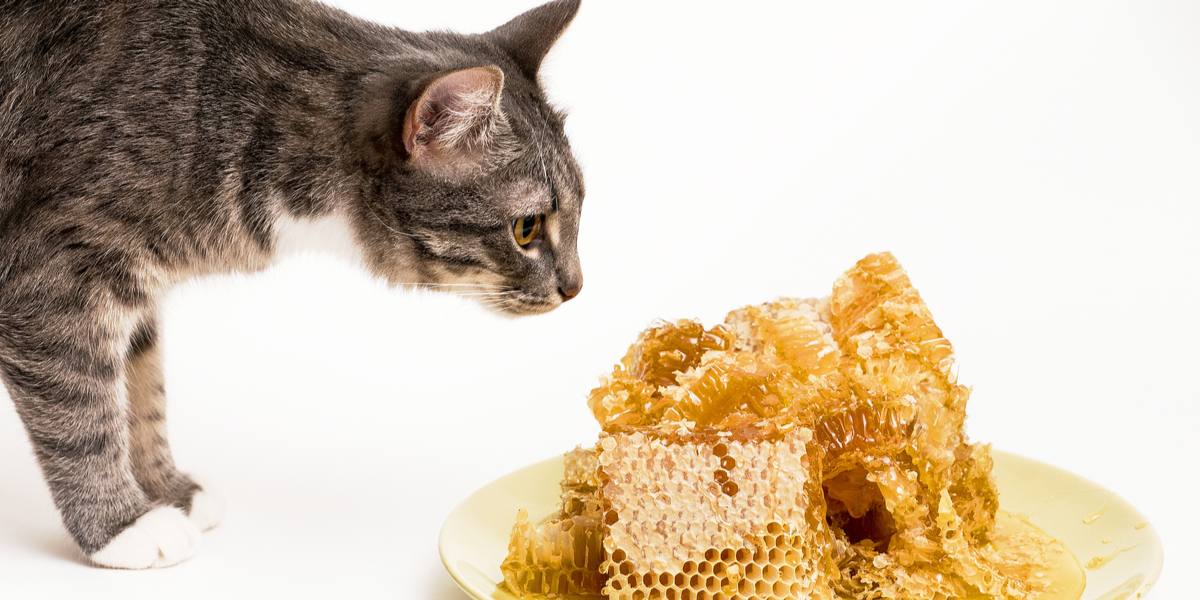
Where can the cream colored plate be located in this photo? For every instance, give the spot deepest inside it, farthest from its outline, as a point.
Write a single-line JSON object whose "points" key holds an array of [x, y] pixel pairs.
{"points": [[1120, 551]]}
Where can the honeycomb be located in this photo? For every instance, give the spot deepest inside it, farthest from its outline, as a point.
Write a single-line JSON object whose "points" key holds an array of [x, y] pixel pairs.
{"points": [[802, 448], [711, 516], [563, 554], [637, 392]]}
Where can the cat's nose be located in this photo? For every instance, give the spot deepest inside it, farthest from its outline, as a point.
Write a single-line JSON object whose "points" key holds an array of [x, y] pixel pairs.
{"points": [[570, 289]]}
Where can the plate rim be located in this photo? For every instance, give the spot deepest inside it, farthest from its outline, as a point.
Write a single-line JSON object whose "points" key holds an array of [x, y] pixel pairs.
{"points": [[1152, 577]]}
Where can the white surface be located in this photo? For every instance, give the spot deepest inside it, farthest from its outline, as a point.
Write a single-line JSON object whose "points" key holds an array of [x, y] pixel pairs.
{"points": [[1033, 165]]}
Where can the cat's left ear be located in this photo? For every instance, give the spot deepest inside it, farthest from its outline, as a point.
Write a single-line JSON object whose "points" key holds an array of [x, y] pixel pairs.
{"points": [[454, 119], [529, 37]]}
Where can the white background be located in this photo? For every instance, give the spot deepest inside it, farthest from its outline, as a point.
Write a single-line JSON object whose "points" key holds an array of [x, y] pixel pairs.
{"points": [[1035, 166]]}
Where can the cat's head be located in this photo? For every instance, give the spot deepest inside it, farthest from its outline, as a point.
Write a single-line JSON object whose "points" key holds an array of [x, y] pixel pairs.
{"points": [[478, 191]]}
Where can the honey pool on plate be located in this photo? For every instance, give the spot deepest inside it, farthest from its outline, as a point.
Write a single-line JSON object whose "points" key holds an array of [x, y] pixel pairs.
{"points": [[1064, 576]]}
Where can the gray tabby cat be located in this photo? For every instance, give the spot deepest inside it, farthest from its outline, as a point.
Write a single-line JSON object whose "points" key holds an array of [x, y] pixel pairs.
{"points": [[143, 142]]}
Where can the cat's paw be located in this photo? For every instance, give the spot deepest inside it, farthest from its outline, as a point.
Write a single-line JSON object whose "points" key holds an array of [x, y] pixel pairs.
{"points": [[160, 538], [207, 507]]}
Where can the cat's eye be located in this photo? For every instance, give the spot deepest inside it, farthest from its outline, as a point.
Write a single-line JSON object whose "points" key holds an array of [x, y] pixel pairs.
{"points": [[527, 229]]}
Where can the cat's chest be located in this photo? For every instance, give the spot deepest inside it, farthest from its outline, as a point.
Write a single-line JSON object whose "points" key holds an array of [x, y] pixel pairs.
{"points": [[330, 235]]}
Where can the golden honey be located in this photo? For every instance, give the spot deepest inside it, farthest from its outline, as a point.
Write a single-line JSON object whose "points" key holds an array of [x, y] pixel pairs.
{"points": [[803, 448]]}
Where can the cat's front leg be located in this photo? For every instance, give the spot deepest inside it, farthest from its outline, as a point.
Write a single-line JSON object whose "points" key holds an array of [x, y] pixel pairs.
{"points": [[65, 371], [150, 451]]}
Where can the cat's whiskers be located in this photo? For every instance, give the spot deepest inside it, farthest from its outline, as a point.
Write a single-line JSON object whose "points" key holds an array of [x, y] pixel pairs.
{"points": [[492, 303], [484, 298], [457, 287], [485, 293], [459, 284], [542, 159]]}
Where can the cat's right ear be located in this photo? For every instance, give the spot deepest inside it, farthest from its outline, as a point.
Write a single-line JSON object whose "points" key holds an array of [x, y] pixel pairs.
{"points": [[528, 37], [454, 121]]}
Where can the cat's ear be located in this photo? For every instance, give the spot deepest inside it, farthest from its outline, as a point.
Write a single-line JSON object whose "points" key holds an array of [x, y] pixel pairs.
{"points": [[528, 37], [454, 119]]}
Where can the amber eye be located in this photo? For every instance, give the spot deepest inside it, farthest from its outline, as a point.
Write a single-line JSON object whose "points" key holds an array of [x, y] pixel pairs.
{"points": [[527, 229]]}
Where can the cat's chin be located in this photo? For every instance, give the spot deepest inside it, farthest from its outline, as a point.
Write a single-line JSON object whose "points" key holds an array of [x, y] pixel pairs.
{"points": [[513, 308]]}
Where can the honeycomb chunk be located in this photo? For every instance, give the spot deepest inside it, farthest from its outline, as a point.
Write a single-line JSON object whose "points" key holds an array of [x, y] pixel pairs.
{"points": [[728, 388], [698, 516], [825, 433], [793, 331], [633, 395], [558, 556], [875, 308], [671, 348], [562, 554]]}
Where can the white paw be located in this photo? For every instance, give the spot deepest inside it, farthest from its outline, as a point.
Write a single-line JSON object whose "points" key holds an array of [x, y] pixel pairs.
{"points": [[208, 507], [159, 538]]}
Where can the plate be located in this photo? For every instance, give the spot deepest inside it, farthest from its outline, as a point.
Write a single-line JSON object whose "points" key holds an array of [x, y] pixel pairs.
{"points": [[1120, 551]]}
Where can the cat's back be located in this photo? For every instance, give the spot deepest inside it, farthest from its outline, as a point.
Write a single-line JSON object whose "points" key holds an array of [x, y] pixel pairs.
{"points": [[57, 47], [51, 57], [45, 45], [120, 86], [42, 45], [70, 70]]}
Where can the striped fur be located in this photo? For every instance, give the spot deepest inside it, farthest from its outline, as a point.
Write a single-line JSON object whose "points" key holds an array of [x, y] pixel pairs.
{"points": [[144, 142]]}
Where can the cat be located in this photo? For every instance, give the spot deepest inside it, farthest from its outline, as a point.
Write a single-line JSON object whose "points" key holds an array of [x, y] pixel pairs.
{"points": [[145, 142]]}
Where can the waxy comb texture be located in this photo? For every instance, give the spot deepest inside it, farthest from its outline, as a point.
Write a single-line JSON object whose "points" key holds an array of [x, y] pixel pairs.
{"points": [[804, 448]]}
